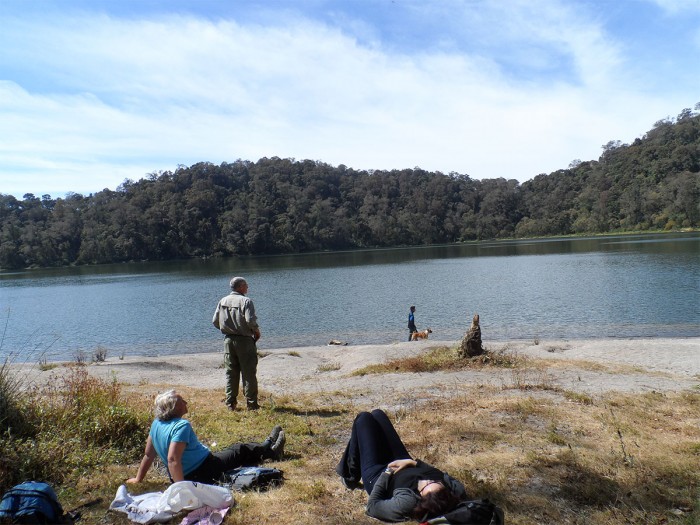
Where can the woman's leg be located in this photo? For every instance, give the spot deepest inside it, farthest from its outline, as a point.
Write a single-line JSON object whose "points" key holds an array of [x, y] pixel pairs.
{"points": [[349, 465], [398, 449], [368, 451], [242, 454], [237, 455]]}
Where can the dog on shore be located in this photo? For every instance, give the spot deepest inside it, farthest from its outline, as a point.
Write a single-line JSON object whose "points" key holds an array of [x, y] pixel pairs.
{"points": [[415, 336]]}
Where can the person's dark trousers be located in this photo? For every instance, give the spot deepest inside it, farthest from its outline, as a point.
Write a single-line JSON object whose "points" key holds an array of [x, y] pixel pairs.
{"points": [[241, 362], [373, 444], [237, 455]]}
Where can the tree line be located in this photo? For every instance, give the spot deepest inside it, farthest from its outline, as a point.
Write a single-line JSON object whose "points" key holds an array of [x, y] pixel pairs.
{"points": [[275, 206]]}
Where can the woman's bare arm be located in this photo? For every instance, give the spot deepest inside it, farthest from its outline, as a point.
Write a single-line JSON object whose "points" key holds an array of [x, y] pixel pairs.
{"points": [[149, 455], [175, 451]]}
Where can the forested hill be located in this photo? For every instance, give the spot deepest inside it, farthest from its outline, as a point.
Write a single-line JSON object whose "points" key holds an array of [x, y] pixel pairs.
{"points": [[286, 206]]}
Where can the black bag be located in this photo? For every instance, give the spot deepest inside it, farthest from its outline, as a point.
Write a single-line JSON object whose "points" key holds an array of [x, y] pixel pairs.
{"points": [[252, 478], [32, 503], [475, 512]]}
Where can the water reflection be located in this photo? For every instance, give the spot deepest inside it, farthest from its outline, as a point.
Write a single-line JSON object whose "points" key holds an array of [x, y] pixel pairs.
{"points": [[632, 286]]}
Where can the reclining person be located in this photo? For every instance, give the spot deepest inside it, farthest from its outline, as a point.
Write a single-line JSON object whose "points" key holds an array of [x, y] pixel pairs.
{"points": [[399, 488], [173, 439]]}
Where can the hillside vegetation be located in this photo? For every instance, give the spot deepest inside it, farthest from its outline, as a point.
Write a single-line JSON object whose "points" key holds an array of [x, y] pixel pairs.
{"points": [[278, 205]]}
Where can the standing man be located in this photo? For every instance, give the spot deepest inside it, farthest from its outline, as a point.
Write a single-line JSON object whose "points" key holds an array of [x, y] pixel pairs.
{"points": [[235, 317], [411, 322]]}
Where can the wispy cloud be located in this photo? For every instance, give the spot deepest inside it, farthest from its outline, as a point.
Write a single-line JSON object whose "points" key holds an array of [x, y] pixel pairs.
{"points": [[502, 91]]}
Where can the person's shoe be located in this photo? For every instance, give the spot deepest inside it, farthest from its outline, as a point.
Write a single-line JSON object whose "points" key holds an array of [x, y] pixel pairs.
{"points": [[351, 483], [231, 407], [274, 434], [253, 406], [277, 447]]}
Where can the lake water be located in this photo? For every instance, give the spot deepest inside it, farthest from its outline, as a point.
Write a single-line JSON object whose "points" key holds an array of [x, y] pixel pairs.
{"points": [[629, 286]]}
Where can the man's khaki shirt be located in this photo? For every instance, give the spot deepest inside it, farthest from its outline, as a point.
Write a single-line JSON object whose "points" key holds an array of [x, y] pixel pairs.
{"points": [[235, 315]]}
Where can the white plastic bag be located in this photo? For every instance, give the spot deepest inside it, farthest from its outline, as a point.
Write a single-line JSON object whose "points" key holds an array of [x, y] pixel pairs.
{"points": [[159, 507], [189, 495]]}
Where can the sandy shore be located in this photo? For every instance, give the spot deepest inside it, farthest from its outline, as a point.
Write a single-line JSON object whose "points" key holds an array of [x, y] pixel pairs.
{"points": [[592, 367]]}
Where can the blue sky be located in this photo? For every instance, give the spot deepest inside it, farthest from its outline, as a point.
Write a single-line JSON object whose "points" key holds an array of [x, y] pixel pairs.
{"points": [[93, 92]]}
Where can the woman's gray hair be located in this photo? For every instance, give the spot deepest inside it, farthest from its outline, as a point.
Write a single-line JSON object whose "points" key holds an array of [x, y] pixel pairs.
{"points": [[236, 282], [164, 405]]}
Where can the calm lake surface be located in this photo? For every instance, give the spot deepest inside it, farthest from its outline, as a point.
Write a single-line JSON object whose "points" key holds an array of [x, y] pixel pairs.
{"points": [[629, 286]]}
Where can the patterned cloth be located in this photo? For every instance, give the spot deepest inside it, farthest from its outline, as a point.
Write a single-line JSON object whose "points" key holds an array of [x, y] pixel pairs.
{"points": [[205, 516]]}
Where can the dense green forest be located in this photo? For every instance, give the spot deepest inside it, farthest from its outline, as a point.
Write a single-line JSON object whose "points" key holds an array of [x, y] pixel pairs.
{"points": [[286, 206]]}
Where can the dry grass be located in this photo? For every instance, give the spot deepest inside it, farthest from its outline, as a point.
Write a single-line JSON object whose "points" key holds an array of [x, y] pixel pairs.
{"points": [[329, 367], [544, 457], [443, 358], [592, 366]]}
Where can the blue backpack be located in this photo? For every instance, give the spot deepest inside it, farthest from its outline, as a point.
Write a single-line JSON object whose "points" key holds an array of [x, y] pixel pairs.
{"points": [[32, 502]]}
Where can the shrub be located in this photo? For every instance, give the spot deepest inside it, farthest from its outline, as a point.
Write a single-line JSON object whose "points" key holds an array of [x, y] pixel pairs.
{"points": [[90, 409], [73, 425], [100, 354], [12, 419]]}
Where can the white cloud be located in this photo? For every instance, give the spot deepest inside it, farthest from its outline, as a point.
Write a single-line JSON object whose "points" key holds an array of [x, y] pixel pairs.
{"points": [[99, 99]]}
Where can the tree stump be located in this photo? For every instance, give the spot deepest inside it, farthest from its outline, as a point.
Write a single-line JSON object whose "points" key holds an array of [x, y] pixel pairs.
{"points": [[471, 342]]}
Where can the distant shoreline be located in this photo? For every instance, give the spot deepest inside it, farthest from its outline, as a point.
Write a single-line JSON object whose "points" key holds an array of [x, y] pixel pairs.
{"points": [[580, 236]]}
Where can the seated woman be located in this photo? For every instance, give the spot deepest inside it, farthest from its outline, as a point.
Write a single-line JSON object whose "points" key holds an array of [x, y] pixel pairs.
{"points": [[174, 441], [399, 488]]}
